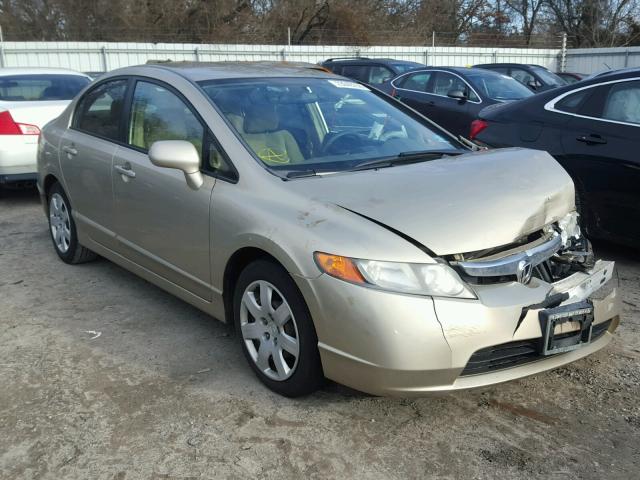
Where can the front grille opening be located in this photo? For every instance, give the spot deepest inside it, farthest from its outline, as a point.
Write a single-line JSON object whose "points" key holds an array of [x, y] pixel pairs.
{"points": [[577, 256], [513, 354], [520, 244]]}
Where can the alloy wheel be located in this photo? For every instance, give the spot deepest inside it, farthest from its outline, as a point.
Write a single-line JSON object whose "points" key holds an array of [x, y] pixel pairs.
{"points": [[269, 330], [60, 223]]}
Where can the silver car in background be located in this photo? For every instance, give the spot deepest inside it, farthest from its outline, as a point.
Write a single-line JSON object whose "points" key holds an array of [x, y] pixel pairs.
{"points": [[345, 235]]}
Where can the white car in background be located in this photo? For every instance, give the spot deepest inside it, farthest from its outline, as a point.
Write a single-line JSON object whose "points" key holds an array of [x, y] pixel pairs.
{"points": [[29, 99]]}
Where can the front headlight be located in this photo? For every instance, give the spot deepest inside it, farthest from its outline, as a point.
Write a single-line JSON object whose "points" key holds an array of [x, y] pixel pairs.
{"points": [[433, 279]]}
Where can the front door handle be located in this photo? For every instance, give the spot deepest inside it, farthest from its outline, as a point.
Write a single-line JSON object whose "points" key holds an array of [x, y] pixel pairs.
{"points": [[123, 170], [592, 139], [70, 150]]}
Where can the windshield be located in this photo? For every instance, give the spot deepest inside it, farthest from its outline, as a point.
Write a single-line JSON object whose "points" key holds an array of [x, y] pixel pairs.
{"points": [[497, 86], [548, 77], [321, 124], [40, 87]]}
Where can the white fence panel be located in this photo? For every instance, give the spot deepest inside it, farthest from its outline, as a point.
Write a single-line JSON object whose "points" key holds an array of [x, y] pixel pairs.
{"points": [[591, 60], [99, 57]]}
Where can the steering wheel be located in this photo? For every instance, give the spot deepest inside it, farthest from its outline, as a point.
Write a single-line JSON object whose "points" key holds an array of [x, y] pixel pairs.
{"points": [[342, 135]]}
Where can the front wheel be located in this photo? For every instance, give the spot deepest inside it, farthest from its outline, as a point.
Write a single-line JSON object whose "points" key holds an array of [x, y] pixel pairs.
{"points": [[63, 229], [276, 331]]}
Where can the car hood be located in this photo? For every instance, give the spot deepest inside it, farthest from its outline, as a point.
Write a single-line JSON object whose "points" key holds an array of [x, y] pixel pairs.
{"points": [[458, 204]]}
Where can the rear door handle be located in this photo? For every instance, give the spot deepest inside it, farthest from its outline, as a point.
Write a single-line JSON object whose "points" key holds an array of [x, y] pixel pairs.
{"points": [[127, 172], [592, 139], [70, 150]]}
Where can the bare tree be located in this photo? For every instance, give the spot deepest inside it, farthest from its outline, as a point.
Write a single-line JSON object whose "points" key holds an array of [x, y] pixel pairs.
{"points": [[527, 11], [591, 23]]}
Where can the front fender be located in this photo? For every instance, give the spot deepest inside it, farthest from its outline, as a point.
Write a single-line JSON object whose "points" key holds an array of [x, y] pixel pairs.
{"points": [[291, 228]]}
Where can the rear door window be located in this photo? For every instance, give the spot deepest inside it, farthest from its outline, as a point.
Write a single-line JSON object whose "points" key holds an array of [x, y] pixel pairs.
{"points": [[357, 72], [379, 74], [416, 81], [99, 112], [623, 103], [446, 82], [525, 77]]}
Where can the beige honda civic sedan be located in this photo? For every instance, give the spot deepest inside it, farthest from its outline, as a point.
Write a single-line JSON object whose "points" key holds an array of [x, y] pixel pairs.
{"points": [[345, 235]]}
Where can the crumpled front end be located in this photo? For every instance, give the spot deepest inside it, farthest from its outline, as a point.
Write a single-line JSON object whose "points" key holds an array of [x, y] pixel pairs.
{"points": [[541, 302]]}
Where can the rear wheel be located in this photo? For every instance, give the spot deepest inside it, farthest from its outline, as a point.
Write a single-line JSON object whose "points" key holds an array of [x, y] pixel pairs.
{"points": [[63, 229], [276, 332]]}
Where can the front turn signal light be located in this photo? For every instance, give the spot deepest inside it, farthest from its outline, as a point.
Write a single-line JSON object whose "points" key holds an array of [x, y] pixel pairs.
{"points": [[340, 267]]}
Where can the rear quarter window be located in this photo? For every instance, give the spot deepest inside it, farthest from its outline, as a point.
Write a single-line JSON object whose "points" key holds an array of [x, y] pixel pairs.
{"points": [[572, 103]]}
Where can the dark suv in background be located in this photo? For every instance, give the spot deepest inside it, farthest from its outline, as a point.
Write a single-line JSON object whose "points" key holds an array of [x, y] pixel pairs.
{"points": [[535, 77], [373, 71]]}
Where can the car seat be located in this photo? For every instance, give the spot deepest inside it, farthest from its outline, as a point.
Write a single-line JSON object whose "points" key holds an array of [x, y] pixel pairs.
{"points": [[623, 105], [261, 132]]}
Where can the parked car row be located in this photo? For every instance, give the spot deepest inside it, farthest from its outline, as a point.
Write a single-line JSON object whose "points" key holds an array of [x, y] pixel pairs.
{"points": [[589, 124], [29, 98], [347, 233], [592, 129]]}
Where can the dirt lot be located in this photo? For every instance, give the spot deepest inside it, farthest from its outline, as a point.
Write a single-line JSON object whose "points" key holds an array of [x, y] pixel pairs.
{"points": [[105, 376]]}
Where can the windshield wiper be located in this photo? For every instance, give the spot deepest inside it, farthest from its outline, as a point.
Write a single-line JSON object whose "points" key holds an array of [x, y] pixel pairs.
{"points": [[404, 158], [301, 173]]}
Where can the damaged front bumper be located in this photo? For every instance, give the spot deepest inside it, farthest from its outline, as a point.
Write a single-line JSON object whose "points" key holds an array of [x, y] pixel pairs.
{"points": [[392, 344]]}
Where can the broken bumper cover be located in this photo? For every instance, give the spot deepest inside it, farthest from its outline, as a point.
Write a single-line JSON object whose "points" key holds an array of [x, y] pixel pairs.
{"points": [[389, 344]]}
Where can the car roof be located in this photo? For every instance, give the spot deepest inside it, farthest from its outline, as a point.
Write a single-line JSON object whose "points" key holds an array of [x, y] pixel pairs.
{"points": [[509, 65], [458, 70], [543, 97], [38, 71], [368, 60], [631, 70], [202, 71]]}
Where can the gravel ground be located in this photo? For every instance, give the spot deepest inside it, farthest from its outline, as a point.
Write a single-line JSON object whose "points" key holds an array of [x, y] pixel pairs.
{"points": [[105, 376]]}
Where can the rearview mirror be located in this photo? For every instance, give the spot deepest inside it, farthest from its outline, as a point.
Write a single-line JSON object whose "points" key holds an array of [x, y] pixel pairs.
{"points": [[457, 94], [178, 154]]}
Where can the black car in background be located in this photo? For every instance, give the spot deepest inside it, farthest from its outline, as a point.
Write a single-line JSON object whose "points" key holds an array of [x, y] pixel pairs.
{"points": [[453, 97], [535, 77], [373, 71], [592, 128]]}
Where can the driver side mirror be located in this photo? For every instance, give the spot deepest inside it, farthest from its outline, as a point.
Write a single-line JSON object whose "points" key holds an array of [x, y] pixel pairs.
{"points": [[532, 84], [457, 94], [181, 155]]}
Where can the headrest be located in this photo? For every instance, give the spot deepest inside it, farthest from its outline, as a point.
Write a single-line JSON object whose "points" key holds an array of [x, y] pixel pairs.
{"points": [[261, 118], [52, 92], [116, 108]]}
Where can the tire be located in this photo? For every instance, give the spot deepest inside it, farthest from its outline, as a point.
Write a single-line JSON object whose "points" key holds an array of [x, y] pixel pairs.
{"points": [[266, 334], [60, 220]]}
